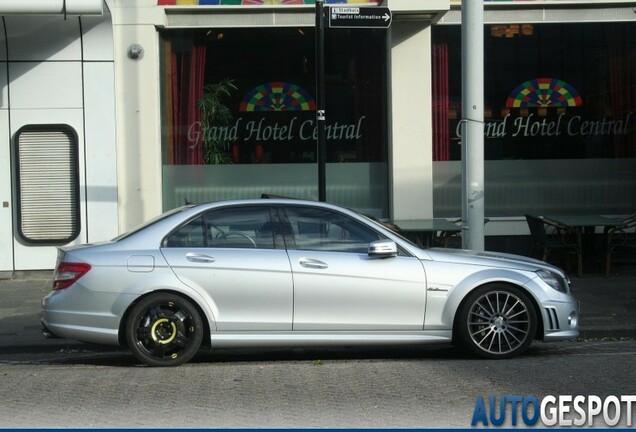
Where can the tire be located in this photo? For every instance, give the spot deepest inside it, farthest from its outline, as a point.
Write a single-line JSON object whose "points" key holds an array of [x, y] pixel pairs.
{"points": [[497, 321], [164, 329]]}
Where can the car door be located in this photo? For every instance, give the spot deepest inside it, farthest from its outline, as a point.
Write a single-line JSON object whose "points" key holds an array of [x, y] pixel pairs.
{"points": [[236, 257], [338, 286]]}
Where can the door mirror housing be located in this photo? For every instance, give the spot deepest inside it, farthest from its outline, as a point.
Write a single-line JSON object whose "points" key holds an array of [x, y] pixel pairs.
{"points": [[383, 249]]}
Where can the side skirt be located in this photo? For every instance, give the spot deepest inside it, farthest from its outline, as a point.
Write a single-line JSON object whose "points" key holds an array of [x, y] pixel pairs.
{"points": [[311, 339]]}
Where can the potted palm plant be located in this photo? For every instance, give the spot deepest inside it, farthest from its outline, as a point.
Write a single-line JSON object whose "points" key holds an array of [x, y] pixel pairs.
{"points": [[216, 114]]}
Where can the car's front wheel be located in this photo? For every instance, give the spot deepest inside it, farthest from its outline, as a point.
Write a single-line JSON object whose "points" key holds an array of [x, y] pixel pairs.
{"points": [[164, 329], [497, 321]]}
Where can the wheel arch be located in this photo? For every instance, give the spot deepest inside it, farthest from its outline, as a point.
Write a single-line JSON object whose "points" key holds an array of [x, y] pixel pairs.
{"points": [[535, 304], [121, 333]]}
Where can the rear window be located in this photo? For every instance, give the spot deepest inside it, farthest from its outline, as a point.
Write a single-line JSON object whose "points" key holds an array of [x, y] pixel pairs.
{"points": [[152, 222]]}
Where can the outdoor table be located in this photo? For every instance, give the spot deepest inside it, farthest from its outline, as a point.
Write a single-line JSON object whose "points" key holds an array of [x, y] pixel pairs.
{"points": [[588, 222], [423, 230], [587, 225]]}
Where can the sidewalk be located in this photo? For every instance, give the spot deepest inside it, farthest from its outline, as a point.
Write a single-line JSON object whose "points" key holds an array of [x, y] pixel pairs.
{"points": [[608, 308]]}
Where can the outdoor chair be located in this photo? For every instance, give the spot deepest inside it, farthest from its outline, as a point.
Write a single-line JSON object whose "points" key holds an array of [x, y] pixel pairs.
{"points": [[449, 239], [620, 240], [549, 236], [452, 239]]}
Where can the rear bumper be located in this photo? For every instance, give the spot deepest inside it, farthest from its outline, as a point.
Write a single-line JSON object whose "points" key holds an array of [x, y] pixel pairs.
{"points": [[47, 333], [80, 314]]}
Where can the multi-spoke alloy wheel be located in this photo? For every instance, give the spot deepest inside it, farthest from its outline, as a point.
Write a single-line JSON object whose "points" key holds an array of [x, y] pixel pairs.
{"points": [[497, 322], [164, 330]]}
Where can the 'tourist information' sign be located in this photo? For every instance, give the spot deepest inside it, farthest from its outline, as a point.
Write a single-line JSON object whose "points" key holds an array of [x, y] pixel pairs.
{"points": [[373, 16]]}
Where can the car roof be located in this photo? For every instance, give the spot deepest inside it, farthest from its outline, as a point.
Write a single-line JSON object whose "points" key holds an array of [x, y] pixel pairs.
{"points": [[197, 207]]}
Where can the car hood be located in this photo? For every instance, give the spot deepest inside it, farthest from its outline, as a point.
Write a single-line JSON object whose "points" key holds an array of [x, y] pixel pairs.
{"points": [[493, 259]]}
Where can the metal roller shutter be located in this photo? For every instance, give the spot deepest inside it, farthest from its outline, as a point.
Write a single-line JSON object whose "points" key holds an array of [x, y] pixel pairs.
{"points": [[48, 184]]}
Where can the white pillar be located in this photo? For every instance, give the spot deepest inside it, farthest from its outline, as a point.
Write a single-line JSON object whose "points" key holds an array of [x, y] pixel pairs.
{"points": [[411, 154]]}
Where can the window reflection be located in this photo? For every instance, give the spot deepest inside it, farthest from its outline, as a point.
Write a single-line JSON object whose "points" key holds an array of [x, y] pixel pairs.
{"points": [[559, 119]]}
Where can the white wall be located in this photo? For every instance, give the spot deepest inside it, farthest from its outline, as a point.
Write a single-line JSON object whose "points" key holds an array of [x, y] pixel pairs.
{"points": [[411, 156], [44, 80], [99, 119], [6, 210], [411, 178], [60, 71], [138, 115]]}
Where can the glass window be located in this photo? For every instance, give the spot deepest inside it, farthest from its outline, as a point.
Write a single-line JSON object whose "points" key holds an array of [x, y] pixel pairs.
{"points": [[559, 118], [190, 235], [322, 230], [239, 115], [234, 227], [48, 184]]}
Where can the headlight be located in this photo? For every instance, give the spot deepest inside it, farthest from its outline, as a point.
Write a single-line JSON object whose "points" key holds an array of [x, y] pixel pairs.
{"points": [[554, 280]]}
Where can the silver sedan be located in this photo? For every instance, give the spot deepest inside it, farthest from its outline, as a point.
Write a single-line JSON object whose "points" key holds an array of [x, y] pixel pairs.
{"points": [[276, 272]]}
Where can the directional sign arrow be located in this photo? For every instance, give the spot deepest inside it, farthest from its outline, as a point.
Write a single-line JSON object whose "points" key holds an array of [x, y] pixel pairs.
{"points": [[370, 17]]}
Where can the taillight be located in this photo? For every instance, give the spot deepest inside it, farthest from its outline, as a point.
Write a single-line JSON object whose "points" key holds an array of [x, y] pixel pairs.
{"points": [[68, 273]]}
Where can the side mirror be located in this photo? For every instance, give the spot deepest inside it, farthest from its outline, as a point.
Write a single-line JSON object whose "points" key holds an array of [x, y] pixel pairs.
{"points": [[382, 249]]}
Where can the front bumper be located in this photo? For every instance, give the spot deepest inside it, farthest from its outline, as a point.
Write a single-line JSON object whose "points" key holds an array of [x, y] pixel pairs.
{"points": [[560, 320]]}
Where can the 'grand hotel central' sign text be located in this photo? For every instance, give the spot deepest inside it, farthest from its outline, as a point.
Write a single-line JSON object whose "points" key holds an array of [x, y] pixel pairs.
{"points": [[531, 126], [260, 130], [305, 130]]}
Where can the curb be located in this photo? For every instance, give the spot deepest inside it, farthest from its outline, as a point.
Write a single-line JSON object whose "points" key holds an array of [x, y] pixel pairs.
{"points": [[608, 333], [26, 275]]}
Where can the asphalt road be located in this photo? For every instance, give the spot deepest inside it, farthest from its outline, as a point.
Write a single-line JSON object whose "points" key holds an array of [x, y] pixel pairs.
{"points": [[87, 386]]}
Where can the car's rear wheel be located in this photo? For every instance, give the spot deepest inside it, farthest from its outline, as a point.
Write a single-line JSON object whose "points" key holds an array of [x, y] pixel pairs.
{"points": [[497, 321], [164, 329]]}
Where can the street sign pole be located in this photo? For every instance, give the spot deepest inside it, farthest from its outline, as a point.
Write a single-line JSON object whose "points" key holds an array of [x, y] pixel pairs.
{"points": [[320, 101], [347, 17]]}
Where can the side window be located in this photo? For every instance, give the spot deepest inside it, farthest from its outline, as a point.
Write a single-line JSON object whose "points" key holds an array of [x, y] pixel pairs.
{"points": [[240, 227], [324, 230], [190, 235], [232, 227]]}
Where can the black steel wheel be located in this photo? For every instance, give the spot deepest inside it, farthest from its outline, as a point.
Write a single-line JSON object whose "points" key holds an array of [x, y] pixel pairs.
{"points": [[497, 321], [164, 329]]}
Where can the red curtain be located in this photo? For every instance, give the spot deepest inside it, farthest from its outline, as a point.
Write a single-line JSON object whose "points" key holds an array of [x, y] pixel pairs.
{"points": [[188, 74], [622, 89], [441, 133]]}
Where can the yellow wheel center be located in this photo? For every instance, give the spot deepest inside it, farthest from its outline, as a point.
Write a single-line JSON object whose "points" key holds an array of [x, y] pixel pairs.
{"points": [[162, 332]]}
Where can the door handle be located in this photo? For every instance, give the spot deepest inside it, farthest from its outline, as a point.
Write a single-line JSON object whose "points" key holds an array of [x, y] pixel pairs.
{"points": [[199, 258], [312, 263]]}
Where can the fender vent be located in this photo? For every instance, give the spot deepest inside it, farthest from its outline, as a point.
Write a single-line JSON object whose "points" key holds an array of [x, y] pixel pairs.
{"points": [[553, 320]]}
